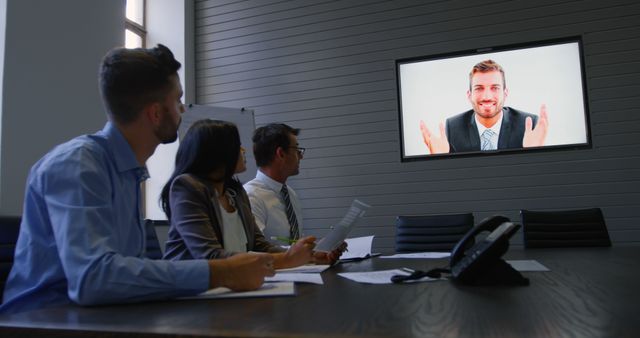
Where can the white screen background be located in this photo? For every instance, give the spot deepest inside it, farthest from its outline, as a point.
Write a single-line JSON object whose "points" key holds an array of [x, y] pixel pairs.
{"points": [[434, 90]]}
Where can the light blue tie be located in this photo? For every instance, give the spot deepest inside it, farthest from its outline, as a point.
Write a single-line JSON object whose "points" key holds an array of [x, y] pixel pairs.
{"points": [[486, 138]]}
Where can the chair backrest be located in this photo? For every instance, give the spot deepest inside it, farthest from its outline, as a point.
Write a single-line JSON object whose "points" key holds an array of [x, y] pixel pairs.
{"points": [[9, 229], [431, 232], [154, 246], [565, 228]]}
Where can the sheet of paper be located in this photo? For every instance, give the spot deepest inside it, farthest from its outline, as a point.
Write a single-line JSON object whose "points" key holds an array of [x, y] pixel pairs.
{"points": [[380, 277], [309, 268], [267, 290], [420, 255], [527, 265], [358, 247], [339, 232], [313, 278]]}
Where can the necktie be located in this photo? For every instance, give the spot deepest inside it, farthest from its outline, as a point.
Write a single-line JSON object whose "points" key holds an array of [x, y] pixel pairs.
{"points": [[294, 232], [487, 143]]}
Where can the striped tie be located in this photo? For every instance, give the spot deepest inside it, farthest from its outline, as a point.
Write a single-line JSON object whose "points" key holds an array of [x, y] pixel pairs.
{"points": [[294, 232], [486, 137]]}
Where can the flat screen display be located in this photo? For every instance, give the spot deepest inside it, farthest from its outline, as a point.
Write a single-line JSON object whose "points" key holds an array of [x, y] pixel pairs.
{"points": [[504, 99]]}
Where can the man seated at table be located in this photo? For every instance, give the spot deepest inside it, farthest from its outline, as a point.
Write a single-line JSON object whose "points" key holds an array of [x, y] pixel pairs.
{"points": [[275, 206], [82, 239]]}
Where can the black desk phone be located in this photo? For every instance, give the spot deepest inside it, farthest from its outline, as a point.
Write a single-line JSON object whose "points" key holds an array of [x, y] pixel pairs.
{"points": [[481, 263]]}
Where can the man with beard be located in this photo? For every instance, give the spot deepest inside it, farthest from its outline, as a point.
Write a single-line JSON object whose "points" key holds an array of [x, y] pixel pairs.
{"points": [[82, 238], [489, 125]]}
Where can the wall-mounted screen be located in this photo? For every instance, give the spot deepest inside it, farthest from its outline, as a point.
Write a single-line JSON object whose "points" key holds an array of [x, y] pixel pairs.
{"points": [[494, 100]]}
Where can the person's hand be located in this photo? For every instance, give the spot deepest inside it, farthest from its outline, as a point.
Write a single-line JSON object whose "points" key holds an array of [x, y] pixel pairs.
{"points": [[330, 258], [298, 254], [535, 137], [241, 272], [436, 144]]}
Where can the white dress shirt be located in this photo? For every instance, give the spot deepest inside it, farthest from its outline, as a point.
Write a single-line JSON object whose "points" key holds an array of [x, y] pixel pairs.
{"points": [[268, 207], [233, 235]]}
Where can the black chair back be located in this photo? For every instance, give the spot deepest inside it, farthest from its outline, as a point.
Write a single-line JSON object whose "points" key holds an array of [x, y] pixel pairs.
{"points": [[431, 232], [565, 228], [9, 229]]}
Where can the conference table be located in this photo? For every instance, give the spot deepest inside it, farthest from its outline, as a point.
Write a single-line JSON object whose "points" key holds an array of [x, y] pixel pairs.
{"points": [[588, 292]]}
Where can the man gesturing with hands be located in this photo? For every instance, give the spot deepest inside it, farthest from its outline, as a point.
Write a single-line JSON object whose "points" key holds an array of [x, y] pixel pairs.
{"points": [[489, 125]]}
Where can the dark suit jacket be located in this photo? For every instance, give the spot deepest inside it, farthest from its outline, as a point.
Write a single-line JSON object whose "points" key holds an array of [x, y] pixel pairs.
{"points": [[196, 229], [462, 131]]}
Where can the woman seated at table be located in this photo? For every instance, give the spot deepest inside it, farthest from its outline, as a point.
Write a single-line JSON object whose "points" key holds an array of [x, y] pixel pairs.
{"points": [[208, 208]]}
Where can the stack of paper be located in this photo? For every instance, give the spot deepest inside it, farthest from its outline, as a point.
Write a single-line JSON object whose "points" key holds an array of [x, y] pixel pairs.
{"points": [[267, 290], [420, 255], [301, 274], [358, 248]]}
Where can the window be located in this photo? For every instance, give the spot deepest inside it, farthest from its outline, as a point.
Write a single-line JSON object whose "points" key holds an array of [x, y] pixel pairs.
{"points": [[135, 32]]}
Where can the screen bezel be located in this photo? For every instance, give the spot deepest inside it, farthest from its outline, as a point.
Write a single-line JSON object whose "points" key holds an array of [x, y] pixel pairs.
{"points": [[485, 50]]}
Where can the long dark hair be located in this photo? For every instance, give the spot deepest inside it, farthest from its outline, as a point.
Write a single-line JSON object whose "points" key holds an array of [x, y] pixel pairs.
{"points": [[208, 145]]}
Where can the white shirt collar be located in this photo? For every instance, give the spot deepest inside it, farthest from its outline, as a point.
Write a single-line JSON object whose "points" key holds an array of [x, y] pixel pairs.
{"points": [[496, 127], [268, 181]]}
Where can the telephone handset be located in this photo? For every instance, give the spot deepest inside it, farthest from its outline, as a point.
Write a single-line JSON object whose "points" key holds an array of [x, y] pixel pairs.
{"points": [[481, 264]]}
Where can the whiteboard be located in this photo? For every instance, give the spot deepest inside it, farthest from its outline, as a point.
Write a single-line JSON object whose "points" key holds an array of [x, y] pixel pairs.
{"points": [[241, 117], [161, 164]]}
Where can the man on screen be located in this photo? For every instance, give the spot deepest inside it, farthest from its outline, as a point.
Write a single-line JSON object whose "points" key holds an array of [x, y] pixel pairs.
{"points": [[489, 125]]}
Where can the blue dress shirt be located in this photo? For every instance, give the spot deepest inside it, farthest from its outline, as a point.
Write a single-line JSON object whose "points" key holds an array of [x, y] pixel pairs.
{"points": [[82, 238]]}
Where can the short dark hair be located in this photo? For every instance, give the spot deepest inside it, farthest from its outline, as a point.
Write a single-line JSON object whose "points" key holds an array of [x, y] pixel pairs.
{"points": [[485, 67], [207, 146], [268, 138], [132, 78]]}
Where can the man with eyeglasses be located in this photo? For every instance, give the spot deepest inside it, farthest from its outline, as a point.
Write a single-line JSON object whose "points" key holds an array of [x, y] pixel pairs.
{"points": [[274, 204]]}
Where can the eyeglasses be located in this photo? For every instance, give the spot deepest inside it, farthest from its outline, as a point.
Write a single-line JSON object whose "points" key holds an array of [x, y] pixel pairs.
{"points": [[299, 150]]}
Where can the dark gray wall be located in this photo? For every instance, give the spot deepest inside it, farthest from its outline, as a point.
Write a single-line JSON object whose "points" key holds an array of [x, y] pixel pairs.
{"points": [[50, 90], [328, 67]]}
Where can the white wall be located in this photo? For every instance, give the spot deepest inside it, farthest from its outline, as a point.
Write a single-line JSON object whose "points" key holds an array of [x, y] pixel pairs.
{"points": [[3, 18], [169, 22], [52, 53]]}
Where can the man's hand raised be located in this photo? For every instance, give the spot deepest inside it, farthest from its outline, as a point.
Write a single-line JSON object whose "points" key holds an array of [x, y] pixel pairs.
{"points": [[241, 272], [436, 144], [535, 137]]}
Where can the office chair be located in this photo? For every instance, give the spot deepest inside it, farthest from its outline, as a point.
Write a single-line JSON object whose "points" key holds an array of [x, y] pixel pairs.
{"points": [[431, 232], [154, 247], [564, 228], [9, 229]]}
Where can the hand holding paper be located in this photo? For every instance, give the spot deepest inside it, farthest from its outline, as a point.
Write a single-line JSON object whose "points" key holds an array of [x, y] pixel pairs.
{"points": [[339, 233]]}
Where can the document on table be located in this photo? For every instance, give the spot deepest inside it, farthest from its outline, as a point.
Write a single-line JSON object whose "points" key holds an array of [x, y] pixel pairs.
{"points": [[339, 232], [309, 268], [380, 277], [357, 248], [527, 265], [420, 255], [298, 277], [309, 273], [267, 290]]}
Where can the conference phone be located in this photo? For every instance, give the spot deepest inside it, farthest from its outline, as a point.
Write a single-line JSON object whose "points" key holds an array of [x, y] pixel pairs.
{"points": [[479, 261]]}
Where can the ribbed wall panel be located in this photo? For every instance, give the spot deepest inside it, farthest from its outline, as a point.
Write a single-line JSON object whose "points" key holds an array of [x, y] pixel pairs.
{"points": [[328, 67]]}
